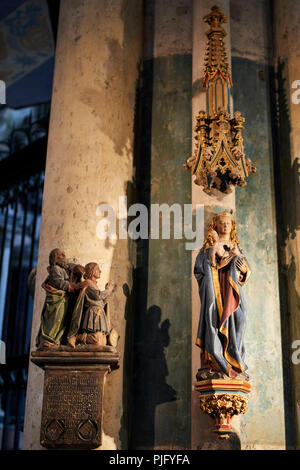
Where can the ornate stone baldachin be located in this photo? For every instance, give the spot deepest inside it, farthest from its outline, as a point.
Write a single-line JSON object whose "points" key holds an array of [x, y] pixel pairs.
{"points": [[219, 160]]}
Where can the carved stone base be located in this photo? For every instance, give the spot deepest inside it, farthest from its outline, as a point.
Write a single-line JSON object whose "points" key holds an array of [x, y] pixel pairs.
{"points": [[73, 395], [222, 399]]}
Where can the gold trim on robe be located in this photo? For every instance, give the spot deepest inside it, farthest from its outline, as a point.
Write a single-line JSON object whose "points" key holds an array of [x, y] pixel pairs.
{"points": [[215, 276]]}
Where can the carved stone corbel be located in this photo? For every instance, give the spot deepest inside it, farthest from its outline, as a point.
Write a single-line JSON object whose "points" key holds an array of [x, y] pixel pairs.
{"points": [[222, 399]]}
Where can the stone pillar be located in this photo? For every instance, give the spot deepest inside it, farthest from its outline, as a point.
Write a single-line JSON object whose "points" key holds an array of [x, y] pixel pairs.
{"points": [[286, 18], [89, 162], [202, 435], [161, 415]]}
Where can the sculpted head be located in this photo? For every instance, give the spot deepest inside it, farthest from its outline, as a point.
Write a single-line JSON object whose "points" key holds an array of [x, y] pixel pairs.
{"points": [[92, 271], [225, 226], [57, 256]]}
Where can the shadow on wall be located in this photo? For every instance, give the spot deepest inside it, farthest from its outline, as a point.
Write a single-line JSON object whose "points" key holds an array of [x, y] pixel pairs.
{"points": [[290, 185], [145, 424], [295, 190], [145, 367], [150, 387], [286, 178]]}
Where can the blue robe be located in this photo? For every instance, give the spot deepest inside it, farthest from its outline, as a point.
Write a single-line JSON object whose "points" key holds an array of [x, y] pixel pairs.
{"points": [[221, 339]]}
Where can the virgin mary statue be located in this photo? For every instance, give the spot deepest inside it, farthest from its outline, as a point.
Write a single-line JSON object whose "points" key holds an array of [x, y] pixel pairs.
{"points": [[221, 270]]}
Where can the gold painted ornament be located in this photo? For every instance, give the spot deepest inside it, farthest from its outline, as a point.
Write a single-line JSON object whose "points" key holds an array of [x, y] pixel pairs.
{"points": [[219, 160], [222, 399]]}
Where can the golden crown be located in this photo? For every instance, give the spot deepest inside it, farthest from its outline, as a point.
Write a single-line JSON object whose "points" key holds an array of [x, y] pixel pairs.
{"points": [[224, 214]]}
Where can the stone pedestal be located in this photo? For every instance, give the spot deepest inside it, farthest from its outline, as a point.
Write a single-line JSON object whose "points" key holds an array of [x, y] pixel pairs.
{"points": [[73, 395], [222, 399]]}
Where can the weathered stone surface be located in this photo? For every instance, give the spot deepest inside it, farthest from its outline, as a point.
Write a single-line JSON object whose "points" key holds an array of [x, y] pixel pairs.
{"points": [[264, 423], [287, 60], [250, 35], [85, 354], [171, 23]]}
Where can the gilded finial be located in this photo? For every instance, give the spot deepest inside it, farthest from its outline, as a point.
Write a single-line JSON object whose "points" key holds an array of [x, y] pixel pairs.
{"points": [[216, 64], [219, 160], [215, 18]]}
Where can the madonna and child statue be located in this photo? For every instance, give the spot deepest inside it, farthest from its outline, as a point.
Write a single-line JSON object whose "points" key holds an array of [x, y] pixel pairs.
{"points": [[221, 270]]}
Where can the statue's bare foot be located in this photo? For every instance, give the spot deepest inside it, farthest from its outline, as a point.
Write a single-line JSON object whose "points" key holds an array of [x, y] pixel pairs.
{"points": [[81, 338], [71, 341], [47, 345]]}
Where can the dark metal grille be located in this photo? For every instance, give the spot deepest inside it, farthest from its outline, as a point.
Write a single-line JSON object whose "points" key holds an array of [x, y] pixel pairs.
{"points": [[20, 210]]}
